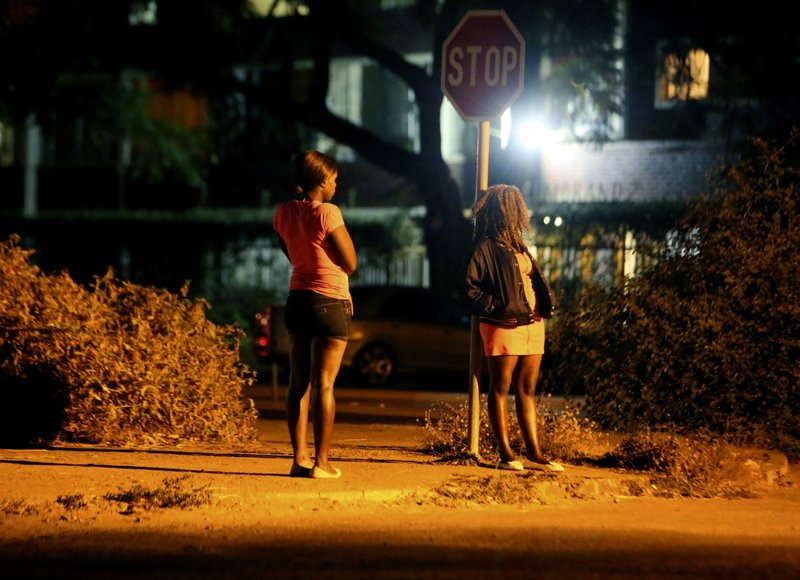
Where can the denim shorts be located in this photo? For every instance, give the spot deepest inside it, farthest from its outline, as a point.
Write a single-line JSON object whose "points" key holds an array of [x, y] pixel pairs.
{"points": [[313, 314]]}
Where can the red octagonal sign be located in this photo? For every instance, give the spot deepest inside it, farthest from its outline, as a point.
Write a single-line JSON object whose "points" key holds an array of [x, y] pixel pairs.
{"points": [[483, 65]]}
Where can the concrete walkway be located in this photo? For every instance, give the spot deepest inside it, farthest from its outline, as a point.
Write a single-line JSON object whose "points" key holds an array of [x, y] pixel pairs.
{"points": [[379, 462]]}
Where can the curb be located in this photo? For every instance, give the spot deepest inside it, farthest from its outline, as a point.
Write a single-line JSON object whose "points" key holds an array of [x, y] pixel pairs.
{"points": [[379, 471]]}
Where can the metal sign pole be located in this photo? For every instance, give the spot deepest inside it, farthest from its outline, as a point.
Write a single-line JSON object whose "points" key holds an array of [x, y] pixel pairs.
{"points": [[475, 345], [470, 76]]}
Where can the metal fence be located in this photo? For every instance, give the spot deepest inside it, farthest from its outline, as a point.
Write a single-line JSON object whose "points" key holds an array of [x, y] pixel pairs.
{"points": [[260, 264]]}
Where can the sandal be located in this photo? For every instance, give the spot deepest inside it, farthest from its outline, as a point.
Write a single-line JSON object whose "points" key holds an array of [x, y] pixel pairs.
{"points": [[513, 465], [550, 466]]}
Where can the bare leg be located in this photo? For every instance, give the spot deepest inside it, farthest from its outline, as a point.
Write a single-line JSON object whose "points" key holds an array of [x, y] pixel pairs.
{"points": [[501, 370], [298, 397], [326, 360], [525, 381]]}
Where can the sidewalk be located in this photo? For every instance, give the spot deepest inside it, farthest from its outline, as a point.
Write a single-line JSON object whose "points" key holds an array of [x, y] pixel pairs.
{"points": [[379, 462], [395, 513]]}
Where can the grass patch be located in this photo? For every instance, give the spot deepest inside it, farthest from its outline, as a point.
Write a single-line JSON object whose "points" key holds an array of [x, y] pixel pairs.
{"points": [[17, 507], [72, 502], [172, 493]]}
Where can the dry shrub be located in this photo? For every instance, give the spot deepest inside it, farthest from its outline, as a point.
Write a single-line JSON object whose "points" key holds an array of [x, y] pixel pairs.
{"points": [[17, 507], [563, 433], [72, 502], [566, 433], [114, 363], [708, 335], [698, 465], [447, 432], [695, 465], [172, 493]]}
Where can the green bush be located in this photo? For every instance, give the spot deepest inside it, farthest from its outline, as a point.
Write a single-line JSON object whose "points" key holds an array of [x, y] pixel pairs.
{"points": [[707, 337], [115, 363]]}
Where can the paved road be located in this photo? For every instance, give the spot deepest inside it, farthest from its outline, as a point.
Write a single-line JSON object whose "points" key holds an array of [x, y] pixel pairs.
{"points": [[362, 405], [267, 525], [325, 538], [403, 405]]}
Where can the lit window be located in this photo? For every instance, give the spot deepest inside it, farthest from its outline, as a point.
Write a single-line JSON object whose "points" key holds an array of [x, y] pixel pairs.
{"points": [[684, 76], [278, 8], [143, 13]]}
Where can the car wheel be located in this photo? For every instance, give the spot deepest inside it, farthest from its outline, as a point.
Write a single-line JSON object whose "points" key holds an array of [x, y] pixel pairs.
{"points": [[374, 365]]}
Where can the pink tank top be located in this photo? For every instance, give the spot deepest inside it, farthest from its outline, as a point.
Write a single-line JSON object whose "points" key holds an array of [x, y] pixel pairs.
{"points": [[305, 225]]}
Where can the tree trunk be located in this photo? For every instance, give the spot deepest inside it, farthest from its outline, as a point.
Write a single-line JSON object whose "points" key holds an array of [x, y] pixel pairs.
{"points": [[448, 235]]}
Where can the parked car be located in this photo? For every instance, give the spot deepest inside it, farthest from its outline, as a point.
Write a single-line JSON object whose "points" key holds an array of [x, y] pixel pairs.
{"points": [[396, 329]]}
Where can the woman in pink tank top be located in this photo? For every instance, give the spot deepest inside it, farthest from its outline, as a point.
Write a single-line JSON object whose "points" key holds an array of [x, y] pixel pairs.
{"points": [[312, 234]]}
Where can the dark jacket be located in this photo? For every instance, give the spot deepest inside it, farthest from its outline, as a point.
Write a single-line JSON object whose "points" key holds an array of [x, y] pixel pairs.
{"points": [[493, 286]]}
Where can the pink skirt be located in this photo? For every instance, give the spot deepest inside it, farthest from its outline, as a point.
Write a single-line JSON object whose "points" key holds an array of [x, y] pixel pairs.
{"points": [[520, 340]]}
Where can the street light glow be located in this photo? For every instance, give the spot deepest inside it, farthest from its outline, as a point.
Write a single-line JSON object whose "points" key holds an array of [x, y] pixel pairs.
{"points": [[534, 134], [505, 128]]}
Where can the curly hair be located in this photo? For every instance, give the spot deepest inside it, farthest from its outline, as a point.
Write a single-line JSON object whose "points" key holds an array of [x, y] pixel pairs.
{"points": [[501, 215]]}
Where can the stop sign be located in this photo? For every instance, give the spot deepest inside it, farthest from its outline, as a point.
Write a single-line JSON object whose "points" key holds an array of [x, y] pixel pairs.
{"points": [[483, 65]]}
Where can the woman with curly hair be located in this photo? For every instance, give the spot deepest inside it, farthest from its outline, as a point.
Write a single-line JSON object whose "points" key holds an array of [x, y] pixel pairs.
{"points": [[499, 290]]}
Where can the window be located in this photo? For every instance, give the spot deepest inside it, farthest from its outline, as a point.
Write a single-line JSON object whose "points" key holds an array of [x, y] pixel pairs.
{"points": [[6, 145], [143, 13], [683, 76], [278, 8]]}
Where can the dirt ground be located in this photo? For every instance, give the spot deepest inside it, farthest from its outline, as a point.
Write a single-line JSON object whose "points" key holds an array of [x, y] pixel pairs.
{"points": [[396, 512]]}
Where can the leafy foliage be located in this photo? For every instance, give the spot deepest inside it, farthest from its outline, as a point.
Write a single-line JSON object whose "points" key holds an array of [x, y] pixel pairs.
{"points": [[164, 151], [115, 363], [708, 336]]}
